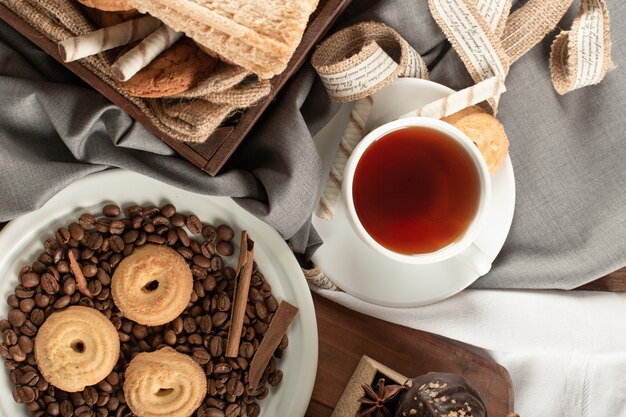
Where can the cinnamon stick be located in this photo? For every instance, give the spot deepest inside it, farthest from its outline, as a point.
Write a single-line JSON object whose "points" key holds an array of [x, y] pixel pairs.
{"points": [[283, 317], [240, 297], [81, 281]]}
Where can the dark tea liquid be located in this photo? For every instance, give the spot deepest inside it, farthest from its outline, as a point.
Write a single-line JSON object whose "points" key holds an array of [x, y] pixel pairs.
{"points": [[416, 190]]}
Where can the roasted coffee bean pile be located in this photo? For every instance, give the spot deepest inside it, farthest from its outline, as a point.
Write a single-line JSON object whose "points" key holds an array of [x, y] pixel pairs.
{"points": [[99, 244]]}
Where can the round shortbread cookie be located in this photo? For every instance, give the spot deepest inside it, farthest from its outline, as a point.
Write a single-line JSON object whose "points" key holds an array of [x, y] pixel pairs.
{"points": [[76, 347], [164, 383], [153, 285]]}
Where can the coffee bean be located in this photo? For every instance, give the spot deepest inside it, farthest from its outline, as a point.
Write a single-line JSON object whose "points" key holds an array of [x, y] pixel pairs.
{"points": [[9, 337], [223, 302], [183, 237], [87, 221], [160, 220], [216, 347], [261, 310], [189, 324], [25, 395], [90, 395], [111, 210], [16, 317], [253, 410], [233, 410], [62, 302], [93, 240], [27, 305], [168, 210], [66, 408], [83, 411], [185, 252], [90, 270], [28, 328], [213, 412], [201, 356], [53, 409], [219, 318], [209, 233], [217, 263], [221, 368], [225, 232], [275, 377], [194, 224], [69, 286], [13, 301], [271, 303], [156, 239], [198, 273], [37, 317], [246, 350], [202, 261], [62, 236], [25, 343], [117, 227], [76, 231], [170, 337], [148, 228], [4, 325], [284, 342], [116, 243], [30, 279], [225, 248]]}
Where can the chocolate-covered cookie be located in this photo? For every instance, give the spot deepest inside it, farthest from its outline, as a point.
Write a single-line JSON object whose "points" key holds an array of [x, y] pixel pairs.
{"points": [[440, 395]]}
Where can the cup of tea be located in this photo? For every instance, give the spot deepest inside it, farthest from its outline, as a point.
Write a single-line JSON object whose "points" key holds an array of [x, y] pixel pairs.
{"points": [[417, 191]]}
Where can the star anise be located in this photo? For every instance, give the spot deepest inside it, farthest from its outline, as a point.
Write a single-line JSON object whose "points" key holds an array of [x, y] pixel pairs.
{"points": [[375, 402]]}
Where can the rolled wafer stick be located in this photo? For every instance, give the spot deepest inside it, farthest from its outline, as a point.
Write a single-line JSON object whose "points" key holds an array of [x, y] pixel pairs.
{"points": [[107, 38], [355, 131], [457, 101], [141, 55]]}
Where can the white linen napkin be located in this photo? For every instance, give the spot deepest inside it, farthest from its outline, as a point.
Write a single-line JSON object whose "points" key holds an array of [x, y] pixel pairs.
{"points": [[565, 351]]}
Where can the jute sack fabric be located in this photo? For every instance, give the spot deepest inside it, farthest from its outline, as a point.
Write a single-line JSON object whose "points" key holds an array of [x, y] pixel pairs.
{"points": [[190, 116]]}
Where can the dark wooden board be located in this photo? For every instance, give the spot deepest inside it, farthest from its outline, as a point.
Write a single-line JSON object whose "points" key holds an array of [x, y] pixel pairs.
{"points": [[345, 336], [213, 154]]}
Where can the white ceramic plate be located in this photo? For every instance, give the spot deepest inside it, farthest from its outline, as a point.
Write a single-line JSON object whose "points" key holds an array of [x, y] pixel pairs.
{"points": [[22, 240], [359, 270]]}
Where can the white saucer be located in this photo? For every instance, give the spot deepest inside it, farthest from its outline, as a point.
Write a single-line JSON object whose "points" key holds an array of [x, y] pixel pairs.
{"points": [[22, 240], [359, 270]]}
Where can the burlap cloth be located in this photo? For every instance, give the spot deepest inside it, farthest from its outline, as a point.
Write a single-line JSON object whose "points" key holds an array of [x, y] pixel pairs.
{"points": [[190, 116]]}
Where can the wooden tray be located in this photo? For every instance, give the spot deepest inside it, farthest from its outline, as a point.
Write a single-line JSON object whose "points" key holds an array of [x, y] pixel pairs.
{"points": [[345, 336], [211, 155]]}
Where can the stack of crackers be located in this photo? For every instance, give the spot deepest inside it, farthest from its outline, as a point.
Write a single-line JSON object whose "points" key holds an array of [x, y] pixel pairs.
{"points": [[257, 37]]}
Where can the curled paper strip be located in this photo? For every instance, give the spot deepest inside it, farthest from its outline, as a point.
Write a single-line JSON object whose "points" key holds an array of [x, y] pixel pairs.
{"points": [[107, 38], [488, 40], [582, 56], [361, 59]]}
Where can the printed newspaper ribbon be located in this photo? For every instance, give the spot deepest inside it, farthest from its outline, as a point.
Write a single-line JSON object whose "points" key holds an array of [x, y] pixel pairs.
{"points": [[489, 40]]}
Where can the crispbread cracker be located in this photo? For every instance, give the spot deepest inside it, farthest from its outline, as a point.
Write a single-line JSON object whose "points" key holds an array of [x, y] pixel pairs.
{"points": [[259, 35]]}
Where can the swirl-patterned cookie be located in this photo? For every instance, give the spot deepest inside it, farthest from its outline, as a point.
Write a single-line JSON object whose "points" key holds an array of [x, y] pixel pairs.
{"points": [[76, 348], [153, 285], [164, 383]]}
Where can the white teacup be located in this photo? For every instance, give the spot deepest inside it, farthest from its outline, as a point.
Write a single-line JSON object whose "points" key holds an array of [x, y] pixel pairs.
{"points": [[464, 247]]}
